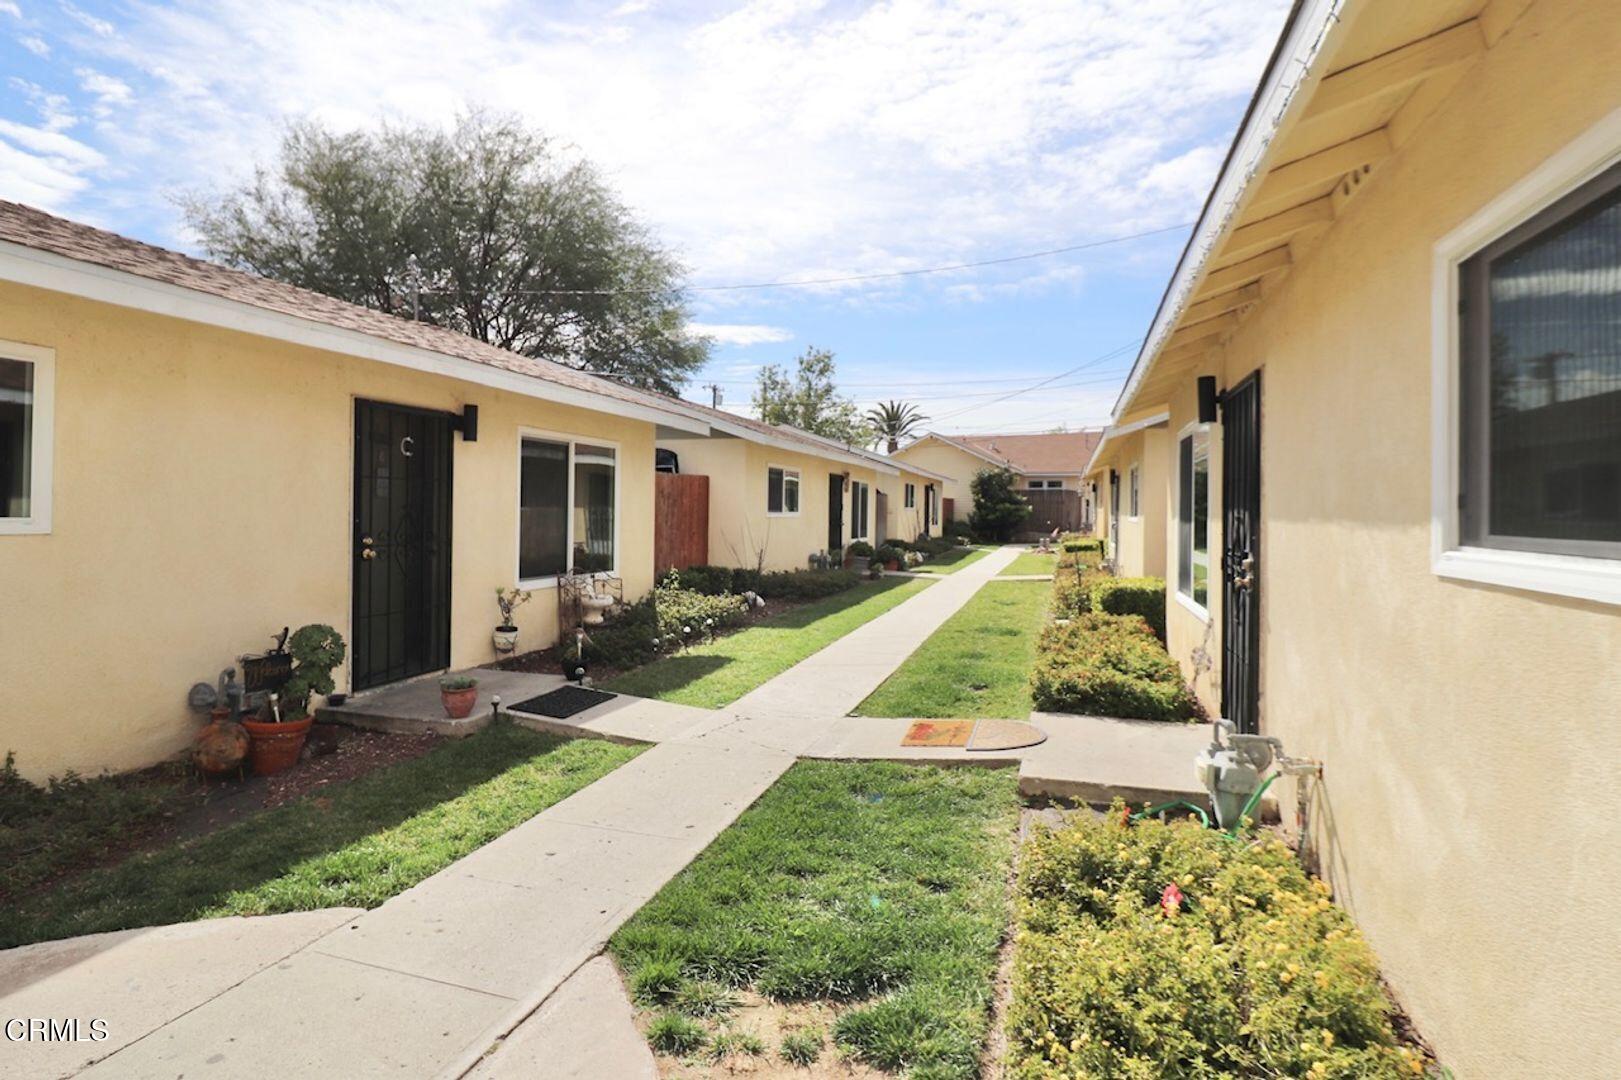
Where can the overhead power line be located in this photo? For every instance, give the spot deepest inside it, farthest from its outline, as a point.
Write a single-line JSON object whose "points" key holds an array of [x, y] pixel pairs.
{"points": [[845, 279], [1110, 355]]}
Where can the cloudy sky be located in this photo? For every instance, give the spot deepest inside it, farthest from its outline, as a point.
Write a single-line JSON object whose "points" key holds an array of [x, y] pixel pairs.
{"points": [[764, 140]]}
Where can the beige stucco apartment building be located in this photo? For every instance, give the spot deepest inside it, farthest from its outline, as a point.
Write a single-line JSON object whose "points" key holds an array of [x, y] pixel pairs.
{"points": [[1396, 543], [778, 495], [1129, 471], [1054, 461], [194, 458]]}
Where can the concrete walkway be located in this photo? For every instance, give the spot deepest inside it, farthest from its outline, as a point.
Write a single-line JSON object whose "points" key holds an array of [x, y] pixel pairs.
{"points": [[493, 966]]}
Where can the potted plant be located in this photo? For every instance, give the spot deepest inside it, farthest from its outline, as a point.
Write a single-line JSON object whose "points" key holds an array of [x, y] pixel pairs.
{"points": [[890, 556], [274, 743], [505, 637], [458, 693], [856, 551]]}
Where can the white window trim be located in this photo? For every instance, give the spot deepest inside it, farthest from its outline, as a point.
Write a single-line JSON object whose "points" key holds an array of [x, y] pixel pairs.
{"points": [[1583, 577], [1134, 491], [569, 440], [866, 495], [799, 482], [1186, 599], [38, 522], [909, 496]]}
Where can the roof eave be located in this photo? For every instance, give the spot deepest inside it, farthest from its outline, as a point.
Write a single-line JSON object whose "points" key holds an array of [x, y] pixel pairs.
{"points": [[24, 265]]}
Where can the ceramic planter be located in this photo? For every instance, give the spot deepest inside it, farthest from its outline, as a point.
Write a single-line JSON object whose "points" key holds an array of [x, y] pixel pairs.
{"points": [[504, 638], [221, 745], [459, 703], [274, 747]]}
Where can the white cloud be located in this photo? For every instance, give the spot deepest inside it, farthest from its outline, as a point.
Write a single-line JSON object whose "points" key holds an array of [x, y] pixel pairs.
{"points": [[107, 90], [741, 333], [630, 7], [99, 27], [785, 138], [43, 167], [54, 110], [36, 45], [9, 8]]}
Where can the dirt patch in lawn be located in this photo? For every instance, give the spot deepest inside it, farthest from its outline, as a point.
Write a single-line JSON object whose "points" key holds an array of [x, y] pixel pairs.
{"points": [[770, 1022]]}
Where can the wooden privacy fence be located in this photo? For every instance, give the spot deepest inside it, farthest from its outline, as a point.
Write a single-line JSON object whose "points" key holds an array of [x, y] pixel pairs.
{"points": [[1051, 509], [680, 521]]}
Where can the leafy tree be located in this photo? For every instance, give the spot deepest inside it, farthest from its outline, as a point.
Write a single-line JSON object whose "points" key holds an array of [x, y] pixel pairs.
{"points": [[893, 421], [488, 229], [999, 509], [809, 400]]}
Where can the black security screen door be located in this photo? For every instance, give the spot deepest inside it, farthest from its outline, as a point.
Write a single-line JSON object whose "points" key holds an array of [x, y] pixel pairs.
{"points": [[835, 511], [401, 543], [1241, 555]]}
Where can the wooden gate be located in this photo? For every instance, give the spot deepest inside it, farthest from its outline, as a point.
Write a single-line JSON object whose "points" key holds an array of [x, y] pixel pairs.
{"points": [[881, 512], [1053, 508], [680, 521]]}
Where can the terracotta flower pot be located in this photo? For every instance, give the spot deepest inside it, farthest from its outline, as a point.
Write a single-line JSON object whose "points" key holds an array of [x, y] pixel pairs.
{"points": [[221, 745], [274, 747], [892, 564], [459, 703]]}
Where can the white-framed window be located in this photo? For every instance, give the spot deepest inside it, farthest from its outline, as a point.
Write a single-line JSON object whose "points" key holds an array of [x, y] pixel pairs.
{"points": [[27, 413], [1193, 517], [781, 492], [1526, 374], [568, 507], [1043, 485], [858, 510], [911, 496], [1133, 491]]}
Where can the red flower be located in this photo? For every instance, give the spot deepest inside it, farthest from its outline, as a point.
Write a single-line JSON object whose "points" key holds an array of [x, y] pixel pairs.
{"points": [[1170, 900]]}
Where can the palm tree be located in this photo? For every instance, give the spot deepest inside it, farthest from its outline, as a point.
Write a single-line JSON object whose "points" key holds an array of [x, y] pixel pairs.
{"points": [[893, 421]]}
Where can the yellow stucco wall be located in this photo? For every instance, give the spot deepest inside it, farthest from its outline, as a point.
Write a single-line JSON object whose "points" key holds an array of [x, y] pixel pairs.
{"points": [[905, 524], [1470, 811], [1142, 538], [203, 487], [740, 529], [947, 460]]}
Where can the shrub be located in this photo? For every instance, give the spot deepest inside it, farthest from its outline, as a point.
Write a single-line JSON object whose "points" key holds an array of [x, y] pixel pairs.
{"points": [[802, 1047], [937, 545], [1072, 590], [625, 640], [999, 509], [1143, 596], [805, 584], [687, 615], [736, 1043], [890, 553], [671, 1033], [1109, 665], [858, 549], [1255, 972], [709, 580], [1073, 544], [959, 530]]}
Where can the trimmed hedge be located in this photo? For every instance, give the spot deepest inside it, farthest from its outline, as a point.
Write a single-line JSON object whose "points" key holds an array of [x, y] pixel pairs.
{"points": [[1250, 971], [1143, 596], [1074, 544], [671, 613], [1109, 665], [710, 580], [776, 584]]}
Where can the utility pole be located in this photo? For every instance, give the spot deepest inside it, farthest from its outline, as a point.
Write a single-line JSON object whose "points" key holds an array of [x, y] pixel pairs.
{"points": [[714, 394]]}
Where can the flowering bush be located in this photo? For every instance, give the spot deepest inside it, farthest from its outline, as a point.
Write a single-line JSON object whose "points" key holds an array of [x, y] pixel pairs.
{"points": [[687, 615], [1109, 665], [1153, 950]]}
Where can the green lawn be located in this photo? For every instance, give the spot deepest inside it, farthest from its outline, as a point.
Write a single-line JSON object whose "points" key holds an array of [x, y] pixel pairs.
{"points": [[876, 886], [989, 644], [359, 845], [953, 560], [1031, 562], [721, 671]]}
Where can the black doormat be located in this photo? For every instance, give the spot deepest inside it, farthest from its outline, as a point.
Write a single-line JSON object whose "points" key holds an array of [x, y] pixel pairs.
{"points": [[563, 702]]}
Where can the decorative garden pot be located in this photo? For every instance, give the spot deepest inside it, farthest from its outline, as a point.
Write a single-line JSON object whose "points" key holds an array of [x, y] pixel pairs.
{"points": [[221, 744], [892, 564], [459, 703], [274, 747], [505, 638]]}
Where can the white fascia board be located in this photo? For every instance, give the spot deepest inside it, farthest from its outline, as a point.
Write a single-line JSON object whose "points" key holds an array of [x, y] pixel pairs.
{"points": [[743, 431], [1316, 25], [47, 270], [1121, 430], [964, 447]]}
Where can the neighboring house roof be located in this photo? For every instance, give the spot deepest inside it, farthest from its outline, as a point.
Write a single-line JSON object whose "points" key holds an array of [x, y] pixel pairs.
{"points": [[1349, 82], [1063, 453], [33, 241]]}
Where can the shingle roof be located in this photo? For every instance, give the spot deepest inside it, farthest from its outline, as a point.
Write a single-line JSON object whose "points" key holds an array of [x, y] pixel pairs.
{"points": [[814, 444], [1061, 452], [28, 227]]}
